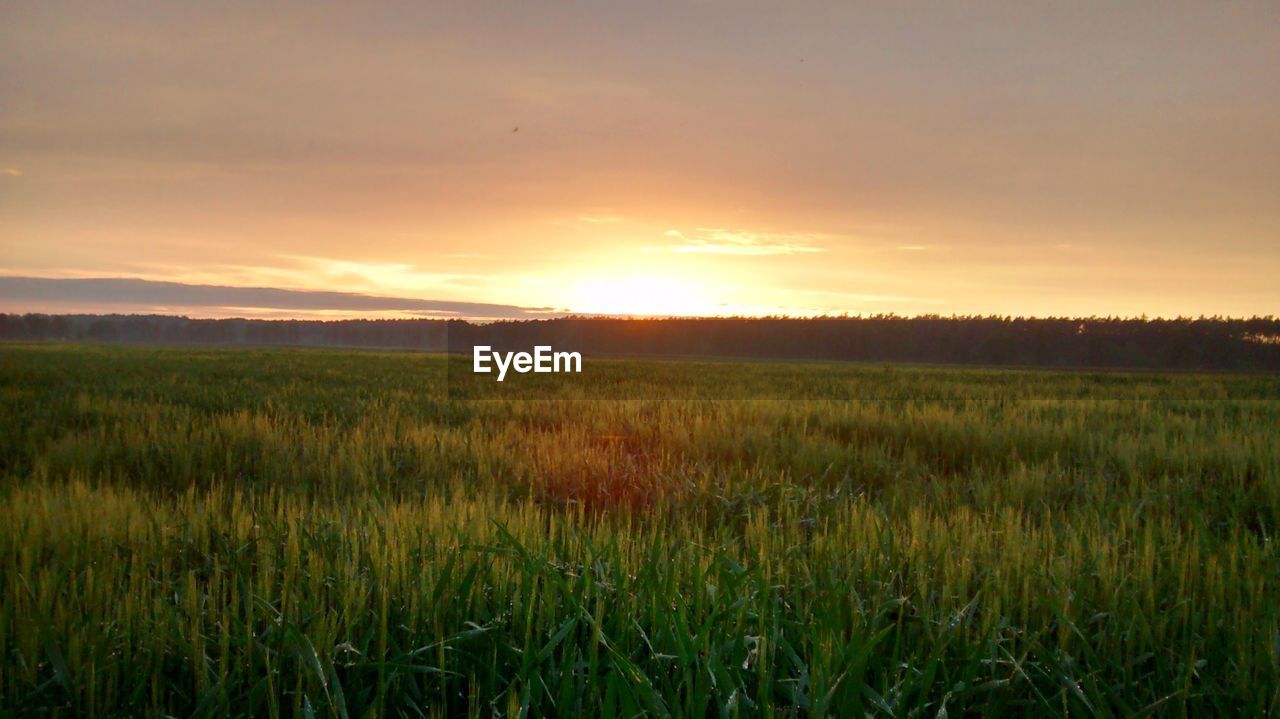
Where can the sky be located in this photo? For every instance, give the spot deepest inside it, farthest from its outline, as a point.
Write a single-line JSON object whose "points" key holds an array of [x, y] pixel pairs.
{"points": [[683, 158]]}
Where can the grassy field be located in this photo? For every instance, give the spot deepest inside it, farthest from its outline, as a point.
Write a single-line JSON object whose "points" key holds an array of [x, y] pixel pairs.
{"points": [[296, 533]]}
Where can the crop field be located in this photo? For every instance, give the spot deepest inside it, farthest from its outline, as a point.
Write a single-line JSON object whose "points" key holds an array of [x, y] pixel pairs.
{"points": [[281, 533]]}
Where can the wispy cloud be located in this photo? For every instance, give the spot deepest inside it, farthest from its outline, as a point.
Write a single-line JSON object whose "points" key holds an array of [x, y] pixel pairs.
{"points": [[601, 219], [10, 172], [720, 241], [359, 276]]}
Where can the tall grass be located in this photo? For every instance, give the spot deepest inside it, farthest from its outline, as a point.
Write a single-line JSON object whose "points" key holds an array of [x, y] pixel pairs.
{"points": [[296, 533]]}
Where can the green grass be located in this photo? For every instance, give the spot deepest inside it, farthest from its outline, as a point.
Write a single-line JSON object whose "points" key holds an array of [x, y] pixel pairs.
{"points": [[295, 533]]}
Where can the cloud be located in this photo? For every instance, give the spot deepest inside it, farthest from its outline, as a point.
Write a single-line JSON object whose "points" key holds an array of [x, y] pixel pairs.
{"points": [[601, 219], [103, 294], [387, 276], [718, 241], [10, 171]]}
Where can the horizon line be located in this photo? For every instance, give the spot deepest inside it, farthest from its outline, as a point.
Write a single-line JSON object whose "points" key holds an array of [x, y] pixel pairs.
{"points": [[140, 297]]}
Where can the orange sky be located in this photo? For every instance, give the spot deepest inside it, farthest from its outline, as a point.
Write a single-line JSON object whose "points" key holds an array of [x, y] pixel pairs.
{"points": [[671, 158]]}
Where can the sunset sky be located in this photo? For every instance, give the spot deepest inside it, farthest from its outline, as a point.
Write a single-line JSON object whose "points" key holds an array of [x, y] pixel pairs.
{"points": [[1070, 158]]}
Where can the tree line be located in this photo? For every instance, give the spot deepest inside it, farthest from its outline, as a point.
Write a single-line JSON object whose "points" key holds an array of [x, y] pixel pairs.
{"points": [[1206, 343]]}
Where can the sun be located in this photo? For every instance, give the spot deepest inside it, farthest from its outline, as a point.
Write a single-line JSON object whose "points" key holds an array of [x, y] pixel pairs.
{"points": [[642, 295]]}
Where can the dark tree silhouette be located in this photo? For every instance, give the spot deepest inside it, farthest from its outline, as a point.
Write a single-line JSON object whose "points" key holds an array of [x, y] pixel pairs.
{"points": [[1206, 343]]}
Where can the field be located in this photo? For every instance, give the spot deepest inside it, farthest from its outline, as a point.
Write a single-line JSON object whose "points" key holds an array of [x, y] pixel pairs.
{"points": [[326, 533]]}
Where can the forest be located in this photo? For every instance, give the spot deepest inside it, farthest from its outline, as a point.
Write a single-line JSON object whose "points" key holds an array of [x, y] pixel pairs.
{"points": [[1213, 343]]}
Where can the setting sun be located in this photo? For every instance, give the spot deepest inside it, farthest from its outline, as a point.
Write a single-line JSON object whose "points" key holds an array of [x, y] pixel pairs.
{"points": [[642, 295]]}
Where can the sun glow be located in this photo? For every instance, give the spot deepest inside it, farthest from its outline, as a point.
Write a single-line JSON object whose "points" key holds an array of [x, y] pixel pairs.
{"points": [[643, 295]]}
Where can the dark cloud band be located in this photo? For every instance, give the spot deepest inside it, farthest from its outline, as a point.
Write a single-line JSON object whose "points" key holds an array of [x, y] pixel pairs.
{"points": [[114, 292]]}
